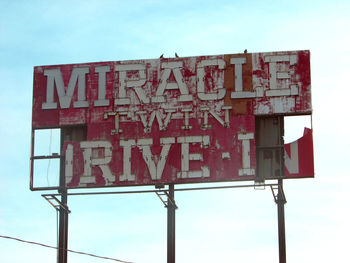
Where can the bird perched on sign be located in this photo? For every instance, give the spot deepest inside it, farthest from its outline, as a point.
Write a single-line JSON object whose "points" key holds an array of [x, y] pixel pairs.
{"points": [[161, 56], [176, 55], [245, 51]]}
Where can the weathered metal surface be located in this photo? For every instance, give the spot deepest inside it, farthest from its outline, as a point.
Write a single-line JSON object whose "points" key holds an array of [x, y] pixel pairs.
{"points": [[175, 120], [173, 155], [299, 157]]}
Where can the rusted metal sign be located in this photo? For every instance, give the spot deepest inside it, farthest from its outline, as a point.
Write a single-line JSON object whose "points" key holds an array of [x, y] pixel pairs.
{"points": [[169, 120]]}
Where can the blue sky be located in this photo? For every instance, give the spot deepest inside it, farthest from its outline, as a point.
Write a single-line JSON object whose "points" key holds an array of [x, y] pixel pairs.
{"points": [[212, 226]]}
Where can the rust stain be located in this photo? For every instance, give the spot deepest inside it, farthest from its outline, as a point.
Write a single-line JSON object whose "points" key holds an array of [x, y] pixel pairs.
{"points": [[239, 106]]}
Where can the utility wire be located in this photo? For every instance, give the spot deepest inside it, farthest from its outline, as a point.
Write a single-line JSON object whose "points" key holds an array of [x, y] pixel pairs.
{"points": [[69, 250]]}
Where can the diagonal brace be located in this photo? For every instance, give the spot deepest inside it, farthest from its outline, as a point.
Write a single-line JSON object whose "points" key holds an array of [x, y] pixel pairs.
{"points": [[57, 204]]}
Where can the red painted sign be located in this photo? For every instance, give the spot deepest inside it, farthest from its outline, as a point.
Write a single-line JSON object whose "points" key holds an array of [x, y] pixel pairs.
{"points": [[168, 120], [299, 157], [168, 156]]}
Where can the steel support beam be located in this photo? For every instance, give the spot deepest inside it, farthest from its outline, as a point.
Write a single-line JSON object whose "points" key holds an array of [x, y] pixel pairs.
{"points": [[171, 207], [63, 217], [281, 200], [63, 232]]}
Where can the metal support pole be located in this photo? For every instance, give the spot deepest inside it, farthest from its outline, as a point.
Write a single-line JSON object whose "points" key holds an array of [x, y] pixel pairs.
{"points": [[63, 231], [281, 200], [63, 218], [171, 206]]}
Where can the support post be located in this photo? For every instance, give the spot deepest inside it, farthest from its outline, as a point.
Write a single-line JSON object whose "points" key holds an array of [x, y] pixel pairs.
{"points": [[63, 231], [171, 206], [63, 218], [281, 200]]}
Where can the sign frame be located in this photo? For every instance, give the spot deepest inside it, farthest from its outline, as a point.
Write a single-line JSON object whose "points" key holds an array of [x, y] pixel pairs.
{"points": [[168, 103]]}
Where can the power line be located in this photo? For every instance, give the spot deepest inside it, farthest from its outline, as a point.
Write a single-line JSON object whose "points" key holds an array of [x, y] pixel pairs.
{"points": [[69, 250]]}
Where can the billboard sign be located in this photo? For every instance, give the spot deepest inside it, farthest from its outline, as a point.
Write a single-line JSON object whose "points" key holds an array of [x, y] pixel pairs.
{"points": [[168, 120]]}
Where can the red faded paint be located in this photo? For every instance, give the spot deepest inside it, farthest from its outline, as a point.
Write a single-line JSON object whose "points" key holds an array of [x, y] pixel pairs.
{"points": [[208, 92], [220, 170], [300, 75], [305, 156]]}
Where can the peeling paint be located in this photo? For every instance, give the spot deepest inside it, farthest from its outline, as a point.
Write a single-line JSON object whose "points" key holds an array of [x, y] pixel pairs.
{"points": [[136, 106]]}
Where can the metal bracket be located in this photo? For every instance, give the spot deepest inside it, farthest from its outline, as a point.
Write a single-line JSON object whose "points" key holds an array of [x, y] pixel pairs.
{"points": [[161, 194], [259, 185], [57, 204], [278, 194]]}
